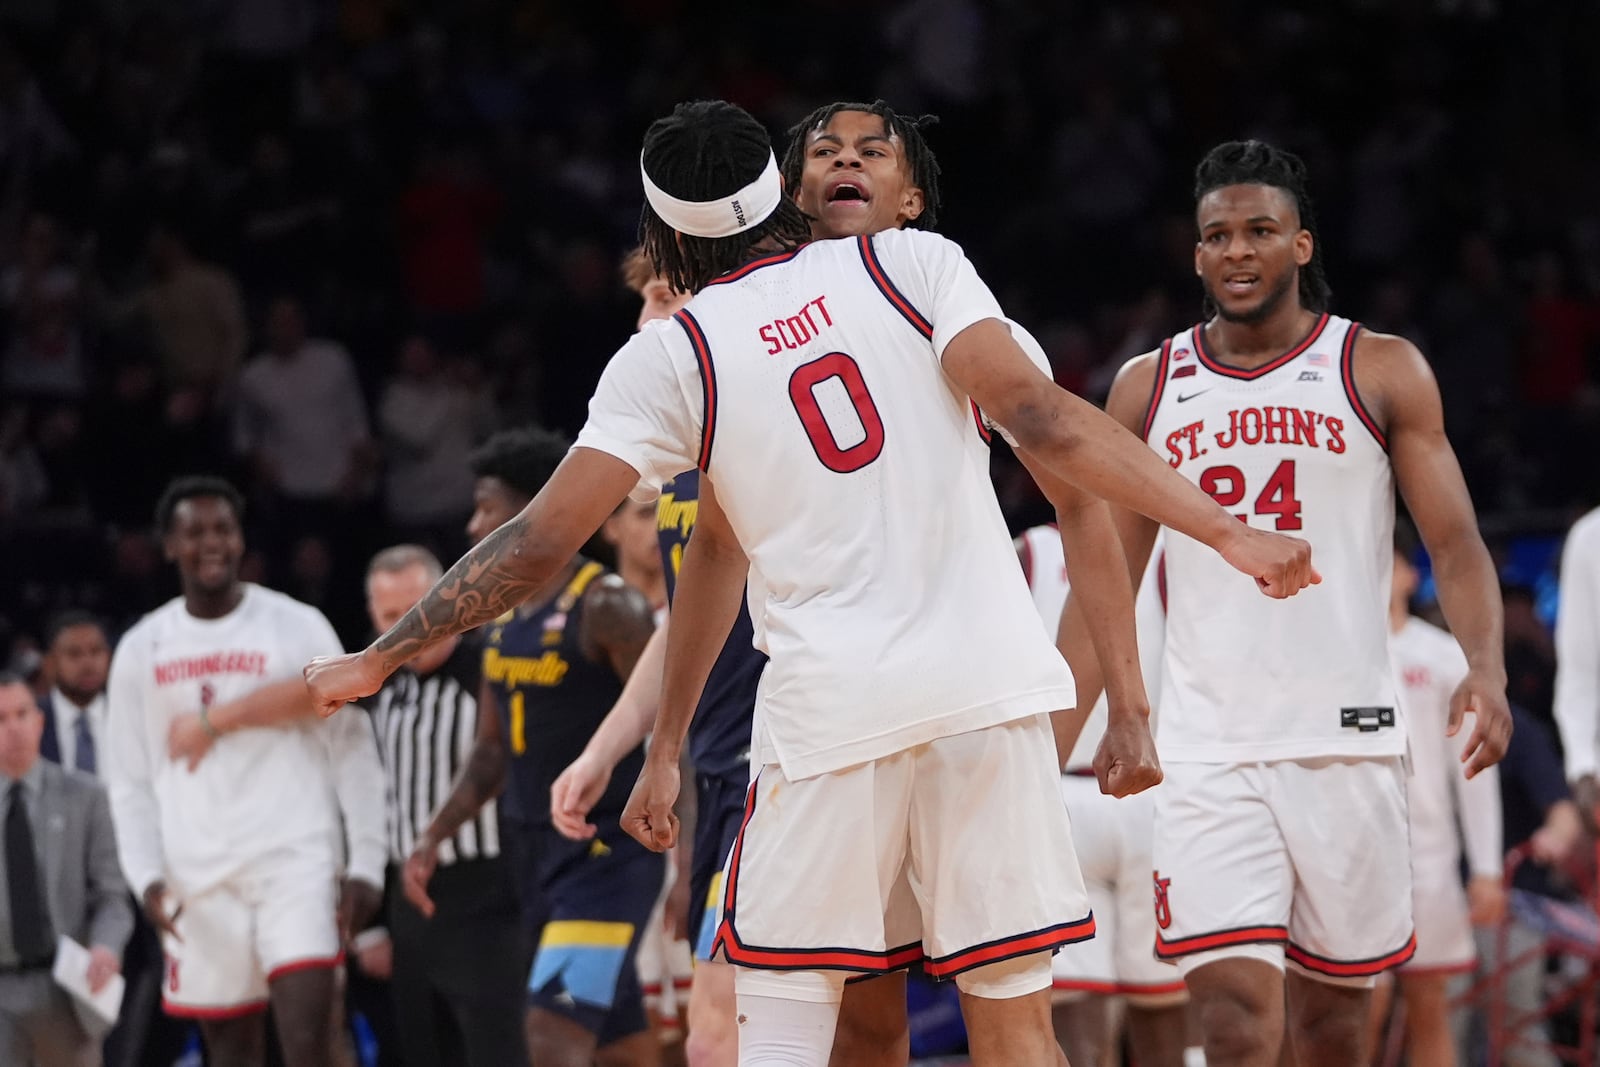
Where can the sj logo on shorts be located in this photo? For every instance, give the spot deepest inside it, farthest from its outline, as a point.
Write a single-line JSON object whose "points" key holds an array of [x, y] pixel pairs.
{"points": [[1163, 909], [172, 975]]}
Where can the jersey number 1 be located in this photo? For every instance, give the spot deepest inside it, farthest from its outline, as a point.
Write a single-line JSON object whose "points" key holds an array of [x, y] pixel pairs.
{"points": [[1225, 484], [803, 385]]}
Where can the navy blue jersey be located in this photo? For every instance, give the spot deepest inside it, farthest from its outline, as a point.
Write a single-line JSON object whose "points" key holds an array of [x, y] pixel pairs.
{"points": [[551, 698], [719, 736]]}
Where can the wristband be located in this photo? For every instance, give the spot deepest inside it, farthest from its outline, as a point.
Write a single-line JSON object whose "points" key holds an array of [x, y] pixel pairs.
{"points": [[205, 724]]}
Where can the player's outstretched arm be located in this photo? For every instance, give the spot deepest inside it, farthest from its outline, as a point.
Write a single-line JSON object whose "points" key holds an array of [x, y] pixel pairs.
{"points": [[503, 570], [710, 585], [1395, 381], [579, 788], [1098, 574], [1086, 447], [191, 734]]}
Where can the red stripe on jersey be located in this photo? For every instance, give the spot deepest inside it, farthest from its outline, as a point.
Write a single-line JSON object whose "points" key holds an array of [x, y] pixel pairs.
{"points": [[708, 383], [1353, 968], [1266, 368], [983, 431], [1185, 946], [756, 264], [1160, 387], [1347, 372], [869, 258], [1010, 947]]}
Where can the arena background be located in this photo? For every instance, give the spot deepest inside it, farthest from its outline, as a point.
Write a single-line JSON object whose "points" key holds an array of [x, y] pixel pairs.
{"points": [[446, 190]]}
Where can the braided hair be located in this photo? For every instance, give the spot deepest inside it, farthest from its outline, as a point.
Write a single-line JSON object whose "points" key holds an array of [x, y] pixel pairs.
{"points": [[924, 166], [1258, 163], [705, 150]]}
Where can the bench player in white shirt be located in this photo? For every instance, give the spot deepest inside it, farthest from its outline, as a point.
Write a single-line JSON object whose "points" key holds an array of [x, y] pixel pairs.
{"points": [[1281, 826], [1112, 838], [237, 859], [897, 678], [1428, 665]]}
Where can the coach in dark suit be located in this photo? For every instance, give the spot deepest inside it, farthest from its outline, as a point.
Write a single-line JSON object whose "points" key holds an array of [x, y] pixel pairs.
{"points": [[58, 875]]}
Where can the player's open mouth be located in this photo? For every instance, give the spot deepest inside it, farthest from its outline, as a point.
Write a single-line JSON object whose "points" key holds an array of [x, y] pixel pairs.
{"points": [[848, 191], [1240, 283]]}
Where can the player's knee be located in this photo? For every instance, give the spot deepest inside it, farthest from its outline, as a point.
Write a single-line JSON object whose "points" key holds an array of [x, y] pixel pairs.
{"points": [[1239, 1007], [1007, 979], [1336, 1025]]}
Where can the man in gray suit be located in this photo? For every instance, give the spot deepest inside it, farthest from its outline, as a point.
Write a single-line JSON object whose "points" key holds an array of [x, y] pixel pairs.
{"points": [[58, 875]]}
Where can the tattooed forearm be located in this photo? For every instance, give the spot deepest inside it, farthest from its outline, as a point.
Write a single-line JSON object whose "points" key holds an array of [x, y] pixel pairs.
{"points": [[481, 780], [500, 573]]}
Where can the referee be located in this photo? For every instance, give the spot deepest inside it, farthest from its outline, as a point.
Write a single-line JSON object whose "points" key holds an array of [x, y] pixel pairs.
{"points": [[458, 974]]}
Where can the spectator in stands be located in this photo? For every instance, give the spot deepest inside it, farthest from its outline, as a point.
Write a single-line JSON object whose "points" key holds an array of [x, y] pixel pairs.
{"points": [[59, 866], [194, 312], [430, 417]]}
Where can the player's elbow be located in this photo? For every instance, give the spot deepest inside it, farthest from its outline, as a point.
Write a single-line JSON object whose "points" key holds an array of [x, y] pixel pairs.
{"points": [[1040, 425]]}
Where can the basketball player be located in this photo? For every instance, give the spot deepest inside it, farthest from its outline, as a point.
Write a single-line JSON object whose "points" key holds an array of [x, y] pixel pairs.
{"points": [[1281, 828], [1428, 666], [894, 680], [237, 860], [551, 670], [1113, 841], [852, 168]]}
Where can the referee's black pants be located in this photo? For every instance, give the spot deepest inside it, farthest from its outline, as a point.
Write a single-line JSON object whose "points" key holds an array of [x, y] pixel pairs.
{"points": [[460, 978]]}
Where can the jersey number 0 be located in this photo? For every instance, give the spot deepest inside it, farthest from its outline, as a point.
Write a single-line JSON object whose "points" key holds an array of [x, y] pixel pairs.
{"points": [[803, 385]]}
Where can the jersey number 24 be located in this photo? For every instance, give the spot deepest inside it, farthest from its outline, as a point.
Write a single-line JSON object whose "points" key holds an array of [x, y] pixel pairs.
{"points": [[1226, 486]]}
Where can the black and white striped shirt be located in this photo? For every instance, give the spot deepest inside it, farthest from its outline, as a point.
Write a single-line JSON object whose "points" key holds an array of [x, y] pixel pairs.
{"points": [[425, 728]]}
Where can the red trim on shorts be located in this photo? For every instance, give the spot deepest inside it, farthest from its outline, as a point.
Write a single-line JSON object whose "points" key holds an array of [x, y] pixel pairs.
{"points": [[311, 964], [1051, 937], [1266, 368], [1156, 390], [1352, 968], [1114, 989], [1244, 935], [843, 959], [230, 1011]]}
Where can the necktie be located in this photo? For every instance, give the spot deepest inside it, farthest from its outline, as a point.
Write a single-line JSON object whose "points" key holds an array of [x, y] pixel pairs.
{"points": [[30, 926], [83, 741]]}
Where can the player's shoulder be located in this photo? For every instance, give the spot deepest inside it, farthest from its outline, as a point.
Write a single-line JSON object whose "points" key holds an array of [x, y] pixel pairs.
{"points": [[1586, 531], [1388, 353], [1133, 387], [908, 243], [139, 633]]}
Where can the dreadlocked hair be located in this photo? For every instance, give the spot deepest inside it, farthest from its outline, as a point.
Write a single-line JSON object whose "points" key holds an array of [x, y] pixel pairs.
{"points": [[702, 151], [524, 459], [924, 166], [1258, 163]]}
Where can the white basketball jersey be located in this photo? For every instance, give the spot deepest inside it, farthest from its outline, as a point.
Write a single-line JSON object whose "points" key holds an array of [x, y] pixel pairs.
{"points": [[257, 789], [808, 386], [1044, 564], [1286, 447]]}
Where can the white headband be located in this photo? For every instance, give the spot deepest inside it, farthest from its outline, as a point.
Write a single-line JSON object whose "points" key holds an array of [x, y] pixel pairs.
{"points": [[724, 216]]}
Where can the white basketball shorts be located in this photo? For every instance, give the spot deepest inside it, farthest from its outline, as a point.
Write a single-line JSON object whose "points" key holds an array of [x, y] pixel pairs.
{"points": [[665, 963], [1303, 860], [957, 853], [277, 916], [1444, 922], [1112, 837]]}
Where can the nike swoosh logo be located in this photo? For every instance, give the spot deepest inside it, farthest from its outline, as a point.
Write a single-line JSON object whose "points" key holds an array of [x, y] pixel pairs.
{"points": [[1191, 396]]}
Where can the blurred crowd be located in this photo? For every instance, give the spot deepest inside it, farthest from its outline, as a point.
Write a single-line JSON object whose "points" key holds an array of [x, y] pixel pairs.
{"points": [[325, 247]]}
